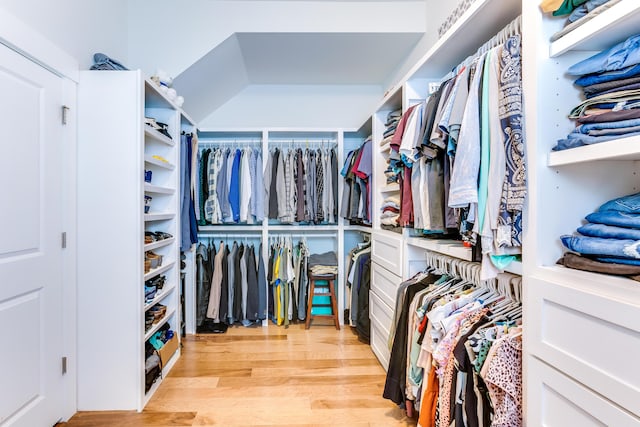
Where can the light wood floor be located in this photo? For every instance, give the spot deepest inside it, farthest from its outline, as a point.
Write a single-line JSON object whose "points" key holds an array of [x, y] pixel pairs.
{"points": [[267, 377]]}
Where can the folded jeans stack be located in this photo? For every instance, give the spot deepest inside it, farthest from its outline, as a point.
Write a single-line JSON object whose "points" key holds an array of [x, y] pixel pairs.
{"points": [[610, 241], [323, 264], [610, 81]]}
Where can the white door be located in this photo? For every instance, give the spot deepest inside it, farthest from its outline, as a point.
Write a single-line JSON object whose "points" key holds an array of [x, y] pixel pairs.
{"points": [[31, 350]]}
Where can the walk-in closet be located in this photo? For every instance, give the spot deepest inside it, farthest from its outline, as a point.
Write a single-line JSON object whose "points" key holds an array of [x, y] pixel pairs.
{"points": [[320, 212]]}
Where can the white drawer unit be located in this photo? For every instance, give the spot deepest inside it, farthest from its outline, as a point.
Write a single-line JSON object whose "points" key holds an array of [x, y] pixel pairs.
{"points": [[379, 346], [560, 402], [380, 311], [384, 284], [386, 250], [589, 333]]}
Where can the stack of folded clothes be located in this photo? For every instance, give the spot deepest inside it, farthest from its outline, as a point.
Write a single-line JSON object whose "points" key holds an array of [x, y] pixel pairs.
{"points": [[610, 241], [323, 264], [389, 218], [394, 163], [610, 81]]}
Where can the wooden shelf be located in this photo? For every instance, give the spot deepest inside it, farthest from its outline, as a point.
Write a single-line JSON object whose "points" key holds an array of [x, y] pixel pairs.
{"points": [[157, 136], [159, 244], [611, 26], [618, 149], [158, 271], [159, 297], [158, 189], [156, 162], [158, 216]]}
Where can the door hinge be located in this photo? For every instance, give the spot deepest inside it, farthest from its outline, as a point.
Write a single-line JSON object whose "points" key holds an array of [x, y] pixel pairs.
{"points": [[65, 109], [64, 240], [64, 365]]}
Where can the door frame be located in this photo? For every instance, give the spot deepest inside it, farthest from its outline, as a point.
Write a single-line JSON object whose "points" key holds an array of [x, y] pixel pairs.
{"points": [[29, 43]]}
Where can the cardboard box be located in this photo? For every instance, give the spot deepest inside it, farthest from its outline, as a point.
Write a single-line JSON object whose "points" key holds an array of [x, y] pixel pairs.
{"points": [[168, 349]]}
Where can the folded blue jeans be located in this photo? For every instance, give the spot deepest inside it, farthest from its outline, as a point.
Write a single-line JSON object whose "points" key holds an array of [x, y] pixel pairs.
{"points": [[609, 231], [615, 58], [627, 204], [614, 260], [575, 139], [591, 79], [618, 248], [607, 125], [615, 218]]}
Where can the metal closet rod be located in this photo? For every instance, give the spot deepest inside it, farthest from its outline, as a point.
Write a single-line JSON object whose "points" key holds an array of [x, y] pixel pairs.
{"points": [[229, 141]]}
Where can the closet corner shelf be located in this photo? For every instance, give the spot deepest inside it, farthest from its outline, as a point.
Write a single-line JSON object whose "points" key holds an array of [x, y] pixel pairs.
{"points": [[452, 248], [159, 297], [159, 244], [158, 325], [152, 161], [157, 271], [157, 136], [390, 188], [362, 228], [149, 188], [602, 31], [158, 216], [618, 149], [222, 228]]}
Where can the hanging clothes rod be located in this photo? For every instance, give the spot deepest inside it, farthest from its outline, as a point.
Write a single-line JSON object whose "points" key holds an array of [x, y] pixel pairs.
{"points": [[229, 141], [309, 235]]}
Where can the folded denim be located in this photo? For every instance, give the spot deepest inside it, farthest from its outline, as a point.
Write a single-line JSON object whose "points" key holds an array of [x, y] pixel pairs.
{"points": [[591, 79], [632, 86], [609, 232], [577, 262], [615, 218], [610, 116], [607, 125], [617, 57], [609, 98], [616, 248], [621, 132], [575, 140], [616, 260], [627, 204], [584, 9]]}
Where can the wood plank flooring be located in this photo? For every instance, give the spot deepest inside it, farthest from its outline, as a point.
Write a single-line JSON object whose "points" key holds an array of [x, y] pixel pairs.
{"points": [[266, 377]]}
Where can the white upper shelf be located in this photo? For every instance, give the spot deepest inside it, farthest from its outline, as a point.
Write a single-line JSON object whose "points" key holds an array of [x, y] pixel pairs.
{"points": [[618, 149], [603, 31]]}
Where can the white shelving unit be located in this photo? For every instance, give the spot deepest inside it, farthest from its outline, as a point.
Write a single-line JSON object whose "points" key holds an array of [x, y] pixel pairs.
{"points": [[111, 229], [562, 306]]}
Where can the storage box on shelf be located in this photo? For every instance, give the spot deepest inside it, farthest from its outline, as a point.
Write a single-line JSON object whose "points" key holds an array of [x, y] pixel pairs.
{"points": [[121, 169], [570, 305]]}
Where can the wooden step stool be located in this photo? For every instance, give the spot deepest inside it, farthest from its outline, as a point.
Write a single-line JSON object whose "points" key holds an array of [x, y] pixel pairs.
{"points": [[330, 279]]}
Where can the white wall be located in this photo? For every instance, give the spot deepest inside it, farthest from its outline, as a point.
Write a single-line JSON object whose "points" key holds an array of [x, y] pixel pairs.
{"points": [[313, 106], [79, 27], [173, 34], [437, 12]]}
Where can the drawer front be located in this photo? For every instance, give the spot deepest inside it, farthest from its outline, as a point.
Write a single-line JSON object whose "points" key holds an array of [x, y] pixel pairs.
{"points": [[380, 311], [386, 250], [555, 400], [587, 335], [379, 343], [384, 284]]}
